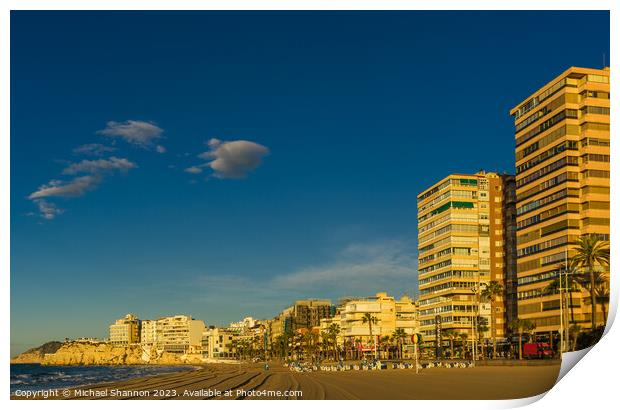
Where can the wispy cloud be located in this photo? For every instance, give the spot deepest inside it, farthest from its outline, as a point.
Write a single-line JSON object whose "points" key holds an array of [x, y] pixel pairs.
{"points": [[76, 187], [233, 159], [139, 133], [95, 171], [193, 170], [99, 165], [94, 149], [48, 210], [360, 269], [160, 149]]}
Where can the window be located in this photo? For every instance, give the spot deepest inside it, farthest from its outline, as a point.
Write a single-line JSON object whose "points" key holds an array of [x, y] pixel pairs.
{"points": [[595, 78], [595, 110]]}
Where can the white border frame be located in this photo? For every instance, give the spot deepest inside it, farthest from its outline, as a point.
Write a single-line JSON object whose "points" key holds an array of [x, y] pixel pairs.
{"points": [[592, 384]]}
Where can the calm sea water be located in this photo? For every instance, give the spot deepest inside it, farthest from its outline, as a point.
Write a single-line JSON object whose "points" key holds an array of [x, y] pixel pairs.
{"points": [[37, 377]]}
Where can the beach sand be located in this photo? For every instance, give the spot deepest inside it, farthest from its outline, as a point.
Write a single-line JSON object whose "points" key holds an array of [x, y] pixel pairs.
{"points": [[214, 380]]}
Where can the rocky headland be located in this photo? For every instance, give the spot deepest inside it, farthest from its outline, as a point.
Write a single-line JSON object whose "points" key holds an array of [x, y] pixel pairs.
{"points": [[89, 353]]}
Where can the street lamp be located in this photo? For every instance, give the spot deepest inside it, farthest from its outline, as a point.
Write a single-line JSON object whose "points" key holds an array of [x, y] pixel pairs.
{"points": [[473, 327], [563, 328]]}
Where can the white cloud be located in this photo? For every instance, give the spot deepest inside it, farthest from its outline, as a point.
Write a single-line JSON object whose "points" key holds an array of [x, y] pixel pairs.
{"points": [[47, 209], [76, 187], [160, 149], [233, 159], [95, 150], [99, 165], [136, 132], [193, 170]]}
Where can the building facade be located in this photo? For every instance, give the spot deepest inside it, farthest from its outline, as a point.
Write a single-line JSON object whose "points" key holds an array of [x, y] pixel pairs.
{"points": [[148, 333], [464, 228], [305, 314], [218, 343], [390, 314], [125, 331], [308, 313], [179, 334], [562, 186]]}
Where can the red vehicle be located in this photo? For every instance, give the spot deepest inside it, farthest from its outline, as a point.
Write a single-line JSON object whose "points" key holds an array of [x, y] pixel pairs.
{"points": [[537, 350]]}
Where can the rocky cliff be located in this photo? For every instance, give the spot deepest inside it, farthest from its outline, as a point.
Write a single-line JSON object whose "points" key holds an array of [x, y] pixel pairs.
{"points": [[36, 354], [103, 354]]}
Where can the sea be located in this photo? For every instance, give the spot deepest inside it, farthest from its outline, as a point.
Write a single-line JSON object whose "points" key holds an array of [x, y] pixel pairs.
{"points": [[37, 377]]}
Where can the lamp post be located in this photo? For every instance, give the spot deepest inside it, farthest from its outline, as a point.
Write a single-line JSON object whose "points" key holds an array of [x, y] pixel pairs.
{"points": [[473, 327], [564, 287]]}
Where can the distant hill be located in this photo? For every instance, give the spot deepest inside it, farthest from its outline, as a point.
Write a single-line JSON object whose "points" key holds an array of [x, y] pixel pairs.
{"points": [[36, 354]]}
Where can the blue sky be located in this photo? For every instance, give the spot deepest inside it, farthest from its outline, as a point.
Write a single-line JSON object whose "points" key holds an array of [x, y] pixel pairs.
{"points": [[223, 164]]}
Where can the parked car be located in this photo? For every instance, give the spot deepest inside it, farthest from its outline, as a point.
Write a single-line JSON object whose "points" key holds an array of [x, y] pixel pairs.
{"points": [[538, 350]]}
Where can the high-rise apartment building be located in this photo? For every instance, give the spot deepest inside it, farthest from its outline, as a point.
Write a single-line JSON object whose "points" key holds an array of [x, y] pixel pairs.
{"points": [[464, 227], [562, 182]]}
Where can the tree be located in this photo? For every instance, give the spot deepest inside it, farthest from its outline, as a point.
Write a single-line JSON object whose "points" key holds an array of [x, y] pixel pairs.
{"points": [[570, 282], [481, 328], [521, 326], [463, 337], [371, 320], [591, 257], [399, 336], [602, 294], [333, 331], [451, 334], [574, 331], [490, 292]]}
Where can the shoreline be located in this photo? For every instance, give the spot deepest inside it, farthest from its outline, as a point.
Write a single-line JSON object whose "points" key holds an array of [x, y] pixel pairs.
{"points": [[165, 370]]}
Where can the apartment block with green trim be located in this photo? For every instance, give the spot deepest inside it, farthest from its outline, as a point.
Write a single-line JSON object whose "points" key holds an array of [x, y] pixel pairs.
{"points": [[465, 224]]}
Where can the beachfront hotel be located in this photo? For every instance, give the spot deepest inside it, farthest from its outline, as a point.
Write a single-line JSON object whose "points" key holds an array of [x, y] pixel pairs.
{"points": [[180, 334], [218, 343], [148, 333], [465, 230], [125, 331], [390, 313], [562, 177], [174, 334]]}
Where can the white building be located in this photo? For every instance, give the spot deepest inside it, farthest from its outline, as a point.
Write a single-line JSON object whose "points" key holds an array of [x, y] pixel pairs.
{"points": [[148, 333], [179, 334]]}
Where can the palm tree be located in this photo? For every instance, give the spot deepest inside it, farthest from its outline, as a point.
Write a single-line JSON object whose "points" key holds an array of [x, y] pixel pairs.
{"points": [[451, 334], [570, 282], [358, 341], [591, 257], [325, 343], [490, 292], [463, 337], [574, 331], [333, 331], [384, 342], [521, 326], [399, 336], [482, 328], [603, 293], [371, 320]]}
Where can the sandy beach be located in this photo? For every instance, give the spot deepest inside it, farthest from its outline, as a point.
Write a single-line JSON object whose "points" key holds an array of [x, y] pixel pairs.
{"points": [[251, 381]]}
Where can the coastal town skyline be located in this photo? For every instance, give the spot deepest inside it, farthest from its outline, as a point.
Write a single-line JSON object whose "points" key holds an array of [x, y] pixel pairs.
{"points": [[224, 193]]}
